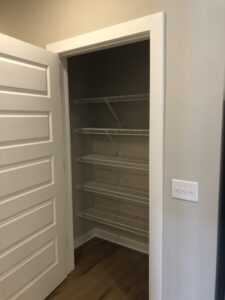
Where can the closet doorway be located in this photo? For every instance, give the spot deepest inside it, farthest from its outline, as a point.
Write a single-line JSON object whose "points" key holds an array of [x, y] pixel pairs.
{"points": [[113, 107]]}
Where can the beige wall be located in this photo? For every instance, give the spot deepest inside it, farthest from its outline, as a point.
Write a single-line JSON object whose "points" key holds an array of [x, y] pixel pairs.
{"points": [[195, 55]]}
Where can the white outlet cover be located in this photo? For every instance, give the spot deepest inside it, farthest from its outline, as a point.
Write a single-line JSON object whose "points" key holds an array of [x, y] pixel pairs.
{"points": [[185, 190]]}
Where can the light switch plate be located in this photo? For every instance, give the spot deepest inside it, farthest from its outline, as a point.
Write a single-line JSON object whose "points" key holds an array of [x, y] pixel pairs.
{"points": [[185, 190]]}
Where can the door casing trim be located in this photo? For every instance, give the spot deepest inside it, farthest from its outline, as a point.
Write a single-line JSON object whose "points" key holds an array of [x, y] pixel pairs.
{"points": [[150, 27]]}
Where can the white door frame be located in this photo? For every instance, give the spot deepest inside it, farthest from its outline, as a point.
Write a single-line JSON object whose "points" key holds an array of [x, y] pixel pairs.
{"points": [[149, 27]]}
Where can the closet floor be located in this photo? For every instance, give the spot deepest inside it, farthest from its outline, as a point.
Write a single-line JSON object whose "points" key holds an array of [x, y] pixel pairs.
{"points": [[105, 271]]}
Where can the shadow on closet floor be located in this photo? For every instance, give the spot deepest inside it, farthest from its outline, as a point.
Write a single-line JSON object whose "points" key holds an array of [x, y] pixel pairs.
{"points": [[105, 271]]}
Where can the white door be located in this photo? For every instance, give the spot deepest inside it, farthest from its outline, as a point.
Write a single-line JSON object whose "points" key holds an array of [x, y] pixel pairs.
{"points": [[32, 225]]}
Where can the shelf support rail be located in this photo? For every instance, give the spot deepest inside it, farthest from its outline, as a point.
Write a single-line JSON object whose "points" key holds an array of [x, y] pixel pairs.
{"points": [[115, 145], [113, 112], [117, 153]]}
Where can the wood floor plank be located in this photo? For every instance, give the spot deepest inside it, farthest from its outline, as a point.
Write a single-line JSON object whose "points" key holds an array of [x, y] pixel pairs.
{"points": [[105, 271]]}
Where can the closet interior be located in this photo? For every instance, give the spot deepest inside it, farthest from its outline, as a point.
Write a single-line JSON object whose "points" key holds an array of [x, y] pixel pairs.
{"points": [[109, 117]]}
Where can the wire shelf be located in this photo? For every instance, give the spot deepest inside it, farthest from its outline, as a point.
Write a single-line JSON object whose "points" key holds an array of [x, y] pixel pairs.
{"points": [[117, 220], [112, 161], [112, 131], [110, 99], [135, 195]]}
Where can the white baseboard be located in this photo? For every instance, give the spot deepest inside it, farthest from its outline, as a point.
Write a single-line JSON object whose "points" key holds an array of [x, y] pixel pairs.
{"points": [[122, 240], [84, 238], [112, 237]]}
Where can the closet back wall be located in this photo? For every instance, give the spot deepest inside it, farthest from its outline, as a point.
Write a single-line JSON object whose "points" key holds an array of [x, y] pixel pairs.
{"points": [[118, 71], [112, 72], [195, 50]]}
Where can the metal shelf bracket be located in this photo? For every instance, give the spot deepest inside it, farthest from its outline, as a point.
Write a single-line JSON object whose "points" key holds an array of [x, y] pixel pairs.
{"points": [[113, 112]]}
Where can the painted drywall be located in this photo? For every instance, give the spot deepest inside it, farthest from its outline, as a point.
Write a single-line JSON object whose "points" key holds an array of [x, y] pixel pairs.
{"points": [[118, 71], [195, 56]]}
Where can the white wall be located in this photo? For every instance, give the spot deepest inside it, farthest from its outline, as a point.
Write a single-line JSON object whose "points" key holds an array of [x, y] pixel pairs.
{"points": [[195, 56]]}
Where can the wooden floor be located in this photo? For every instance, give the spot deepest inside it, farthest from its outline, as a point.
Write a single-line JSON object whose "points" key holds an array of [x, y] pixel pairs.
{"points": [[105, 271]]}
